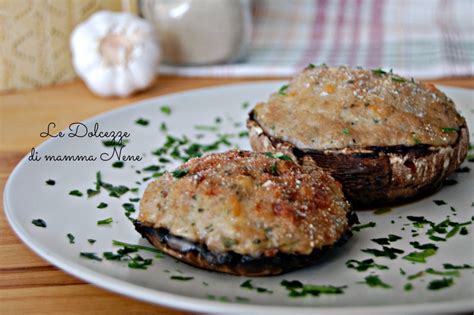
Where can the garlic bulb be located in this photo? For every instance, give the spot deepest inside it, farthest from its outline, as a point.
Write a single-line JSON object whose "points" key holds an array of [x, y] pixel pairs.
{"points": [[115, 54]]}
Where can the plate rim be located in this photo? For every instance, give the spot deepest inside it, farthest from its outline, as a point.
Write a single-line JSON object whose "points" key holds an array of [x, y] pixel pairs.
{"points": [[182, 302]]}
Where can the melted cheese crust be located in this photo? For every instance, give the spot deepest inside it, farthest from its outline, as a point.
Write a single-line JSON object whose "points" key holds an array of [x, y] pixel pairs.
{"points": [[334, 108], [248, 203]]}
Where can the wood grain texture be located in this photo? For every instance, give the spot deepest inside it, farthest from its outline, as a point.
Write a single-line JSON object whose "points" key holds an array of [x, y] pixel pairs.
{"points": [[28, 284]]}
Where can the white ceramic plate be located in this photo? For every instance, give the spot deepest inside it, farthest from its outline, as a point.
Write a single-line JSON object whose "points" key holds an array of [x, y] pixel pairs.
{"points": [[27, 197]]}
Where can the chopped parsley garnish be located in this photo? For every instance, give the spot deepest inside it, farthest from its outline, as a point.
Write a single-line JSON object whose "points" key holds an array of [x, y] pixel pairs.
{"points": [[374, 281], [164, 160], [453, 231], [102, 205], [138, 262], [134, 199], [114, 143], [39, 223], [394, 238], [439, 202], [408, 287], [98, 180], [440, 284], [378, 71], [50, 182], [283, 157], [76, 193], [454, 273], [165, 109], [152, 168], [416, 275], [382, 210], [206, 128], [105, 221], [436, 238], [139, 247], [92, 256], [274, 170], [311, 66], [282, 90], [298, 289], [92, 192], [123, 254], [417, 245], [398, 79], [420, 257], [279, 155], [345, 131], [451, 266], [178, 173], [114, 191], [359, 227], [71, 238], [163, 127], [91, 241], [419, 222], [129, 207], [448, 129], [248, 285], [387, 240], [386, 251], [243, 134], [118, 164], [245, 104], [440, 228], [364, 265], [415, 139], [181, 278], [142, 122]]}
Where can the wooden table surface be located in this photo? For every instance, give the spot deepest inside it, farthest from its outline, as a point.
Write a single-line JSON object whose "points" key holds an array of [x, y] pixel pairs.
{"points": [[29, 284]]}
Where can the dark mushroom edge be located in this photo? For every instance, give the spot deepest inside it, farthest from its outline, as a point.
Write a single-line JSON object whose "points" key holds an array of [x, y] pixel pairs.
{"points": [[198, 255], [375, 176]]}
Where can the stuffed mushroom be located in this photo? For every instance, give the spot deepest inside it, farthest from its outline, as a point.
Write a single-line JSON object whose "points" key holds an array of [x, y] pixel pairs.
{"points": [[385, 138], [246, 213]]}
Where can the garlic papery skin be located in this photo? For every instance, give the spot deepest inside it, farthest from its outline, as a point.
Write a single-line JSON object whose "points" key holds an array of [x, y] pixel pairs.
{"points": [[116, 54]]}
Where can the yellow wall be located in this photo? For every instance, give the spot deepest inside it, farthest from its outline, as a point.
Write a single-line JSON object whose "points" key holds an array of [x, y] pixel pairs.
{"points": [[34, 39]]}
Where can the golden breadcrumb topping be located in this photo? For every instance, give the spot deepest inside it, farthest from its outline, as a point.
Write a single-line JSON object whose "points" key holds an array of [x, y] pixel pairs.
{"points": [[247, 202], [337, 107]]}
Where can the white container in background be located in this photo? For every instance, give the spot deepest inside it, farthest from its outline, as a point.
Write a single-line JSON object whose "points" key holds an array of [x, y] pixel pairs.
{"points": [[201, 32]]}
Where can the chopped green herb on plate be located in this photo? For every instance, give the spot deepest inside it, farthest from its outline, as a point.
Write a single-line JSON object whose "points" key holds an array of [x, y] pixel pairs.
{"points": [[105, 221], [71, 238], [39, 223], [76, 193], [142, 122]]}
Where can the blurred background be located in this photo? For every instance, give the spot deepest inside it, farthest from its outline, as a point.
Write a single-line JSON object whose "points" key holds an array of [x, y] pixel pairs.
{"points": [[195, 44], [245, 38]]}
